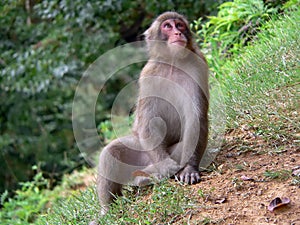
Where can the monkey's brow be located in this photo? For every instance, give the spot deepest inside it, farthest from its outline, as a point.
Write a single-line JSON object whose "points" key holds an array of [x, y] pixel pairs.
{"points": [[176, 19]]}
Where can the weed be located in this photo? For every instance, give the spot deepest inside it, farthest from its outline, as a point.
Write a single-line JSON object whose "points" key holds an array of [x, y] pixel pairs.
{"points": [[281, 175], [201, 193], [237, 183], [26, 204], [205, 221], [239, 167]]}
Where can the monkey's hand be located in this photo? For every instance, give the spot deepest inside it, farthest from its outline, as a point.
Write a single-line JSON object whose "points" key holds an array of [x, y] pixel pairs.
{"points": [[189, 175]]}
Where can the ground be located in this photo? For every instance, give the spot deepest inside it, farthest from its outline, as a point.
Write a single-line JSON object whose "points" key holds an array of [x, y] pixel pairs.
{"points": [[249, 172], [243, 184], [247, 176]]}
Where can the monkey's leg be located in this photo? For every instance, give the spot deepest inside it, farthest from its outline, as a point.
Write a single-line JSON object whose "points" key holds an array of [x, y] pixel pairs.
{"points": [[162, 166], [117, 162], [151, 136], [107, 191]]}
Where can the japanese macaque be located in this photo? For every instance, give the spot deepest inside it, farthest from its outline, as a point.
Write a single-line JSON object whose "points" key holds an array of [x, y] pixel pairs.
{"points": [[170, 130]]}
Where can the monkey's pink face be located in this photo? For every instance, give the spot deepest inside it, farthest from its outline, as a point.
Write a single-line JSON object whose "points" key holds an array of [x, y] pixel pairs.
{"points": [[174, 29]]}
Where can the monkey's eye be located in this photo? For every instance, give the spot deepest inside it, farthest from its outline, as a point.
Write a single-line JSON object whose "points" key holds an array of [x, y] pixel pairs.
{"points": [[180, 26], [167, 25]]}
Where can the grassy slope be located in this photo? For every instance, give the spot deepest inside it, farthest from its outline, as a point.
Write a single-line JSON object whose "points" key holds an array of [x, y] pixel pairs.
{"points": [[260, 87], [262, 83]]}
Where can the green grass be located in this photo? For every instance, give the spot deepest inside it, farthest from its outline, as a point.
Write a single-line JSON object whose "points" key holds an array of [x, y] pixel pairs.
{"points": [[161, 203], [28, 202], [261, 91], [34, 197], [262, 84], [280, 175]]}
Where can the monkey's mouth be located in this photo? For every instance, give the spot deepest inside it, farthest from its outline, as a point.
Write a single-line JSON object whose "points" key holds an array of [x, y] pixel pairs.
{"points": [[179, 42]]}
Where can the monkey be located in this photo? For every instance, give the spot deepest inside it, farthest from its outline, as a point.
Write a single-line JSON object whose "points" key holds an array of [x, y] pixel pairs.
{"points": [[170, 129]]}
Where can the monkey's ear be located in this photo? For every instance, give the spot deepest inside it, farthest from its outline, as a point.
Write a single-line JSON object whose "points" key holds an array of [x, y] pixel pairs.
{"points": [[151, 32], [147, 34], [141, 37]]}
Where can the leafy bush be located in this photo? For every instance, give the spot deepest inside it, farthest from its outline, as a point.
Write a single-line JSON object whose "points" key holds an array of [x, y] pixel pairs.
{"points": [[26, 204], [235, 25], [34, 197]]}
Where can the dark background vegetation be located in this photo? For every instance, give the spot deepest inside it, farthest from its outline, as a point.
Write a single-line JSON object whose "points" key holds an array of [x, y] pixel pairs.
{"points": [[46, 46]]}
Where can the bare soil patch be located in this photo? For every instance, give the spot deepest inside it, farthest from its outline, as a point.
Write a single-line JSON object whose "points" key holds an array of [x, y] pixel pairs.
{"points": [[245, 181]]}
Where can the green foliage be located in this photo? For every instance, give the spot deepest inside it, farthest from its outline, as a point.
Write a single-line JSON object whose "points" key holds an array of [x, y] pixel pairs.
{"points": [[235, 25], [28, 202], [258, 78], [280, 175], [167, 202], [106, 131], [45, 47], [34, 197], [76, 209], [253, 83], [291, 5]]}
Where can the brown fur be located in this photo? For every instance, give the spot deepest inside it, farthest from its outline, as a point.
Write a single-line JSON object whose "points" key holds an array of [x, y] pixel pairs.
{"points": [[171, 125]]}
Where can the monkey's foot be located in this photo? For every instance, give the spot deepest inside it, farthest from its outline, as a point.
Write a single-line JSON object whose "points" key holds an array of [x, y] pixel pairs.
{"points": [[142, 181], [189, 175], [104, 210], [142, 178]]}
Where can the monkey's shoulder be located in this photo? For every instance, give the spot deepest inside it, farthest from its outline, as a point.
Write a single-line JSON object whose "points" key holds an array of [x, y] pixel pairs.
{"points": [[166, 69], [154, 68]]}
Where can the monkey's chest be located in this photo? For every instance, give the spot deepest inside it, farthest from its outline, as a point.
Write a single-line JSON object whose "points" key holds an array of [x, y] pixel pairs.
{"points": [[168, 117], [164, 105]]}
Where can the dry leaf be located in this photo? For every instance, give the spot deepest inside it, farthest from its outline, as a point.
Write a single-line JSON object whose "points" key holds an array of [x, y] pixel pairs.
{"points": [[220, 201], [278, 202], [296, 173], [245, 178]]}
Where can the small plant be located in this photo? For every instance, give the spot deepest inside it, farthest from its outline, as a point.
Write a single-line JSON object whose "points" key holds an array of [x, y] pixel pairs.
{"points": [[280, 174], [205, 221], [106, 131], [27, 203], [239, 167], [236, 24], [109, 131], [201, 193], [237, 183]]}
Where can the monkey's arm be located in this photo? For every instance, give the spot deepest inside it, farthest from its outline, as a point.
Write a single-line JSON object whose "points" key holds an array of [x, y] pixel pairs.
{"points": [[192, 153]]}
